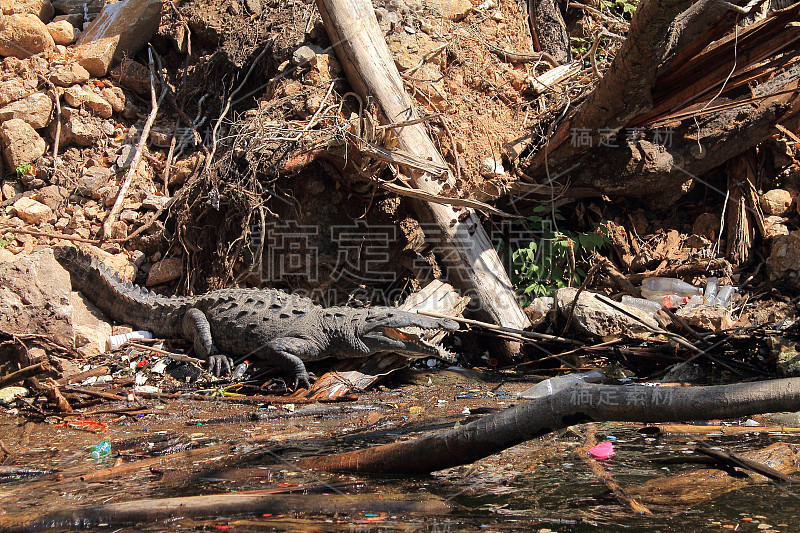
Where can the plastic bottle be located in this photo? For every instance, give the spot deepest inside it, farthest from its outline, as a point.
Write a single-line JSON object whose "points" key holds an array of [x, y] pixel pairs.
{"points": [[98, 452], [696, 300], [643, 304], [671, 301], [669, 286], [115, 341], [724, 295], [712, 284], [240, 369]]}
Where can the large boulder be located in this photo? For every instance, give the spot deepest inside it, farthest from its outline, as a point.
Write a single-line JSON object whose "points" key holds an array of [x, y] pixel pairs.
{"points": [[91, 328], [34, 296], [121, 30], [597, 319], [41, 8], [23, 36]]}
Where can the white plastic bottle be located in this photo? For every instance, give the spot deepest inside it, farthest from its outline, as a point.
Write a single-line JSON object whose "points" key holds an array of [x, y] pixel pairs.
{"points": [[115, 341], [648, 306], [724, 295], [665, 286]]}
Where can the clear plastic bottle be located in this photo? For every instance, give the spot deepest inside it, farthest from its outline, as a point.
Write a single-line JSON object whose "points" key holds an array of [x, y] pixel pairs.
{"points": [[671, 301], [115, 341], [712, 285], [666, 286], [648, 306], [724, 295]]}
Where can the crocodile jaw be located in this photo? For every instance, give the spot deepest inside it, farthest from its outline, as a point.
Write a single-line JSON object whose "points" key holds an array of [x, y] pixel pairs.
{"points": [[411, 345]]}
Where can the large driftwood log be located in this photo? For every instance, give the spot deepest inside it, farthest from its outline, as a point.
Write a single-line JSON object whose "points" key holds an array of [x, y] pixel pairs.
{"points": [[571, 402], [472, 263], [664, 67]]}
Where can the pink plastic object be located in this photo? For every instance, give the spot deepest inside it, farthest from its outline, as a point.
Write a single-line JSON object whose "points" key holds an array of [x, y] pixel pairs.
{"points": [[604, 450]]}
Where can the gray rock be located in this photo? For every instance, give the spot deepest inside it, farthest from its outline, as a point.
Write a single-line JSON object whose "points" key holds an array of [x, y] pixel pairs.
{"points": [[600, 320], [34, 296], [121, 30], [91, 328], [776, 202], [52, 196], [305, 54], [78, 127], [68, 75], [168, 269], [93, 179], [155, 202]]}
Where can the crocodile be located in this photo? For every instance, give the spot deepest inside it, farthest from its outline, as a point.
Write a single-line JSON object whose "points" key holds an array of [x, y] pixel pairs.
{"points": [[284, 328]]}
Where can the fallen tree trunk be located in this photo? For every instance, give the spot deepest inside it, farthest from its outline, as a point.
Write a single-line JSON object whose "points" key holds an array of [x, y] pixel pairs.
{"points": [[662, 84], [462, 244], [572, 403], [215, 505]]}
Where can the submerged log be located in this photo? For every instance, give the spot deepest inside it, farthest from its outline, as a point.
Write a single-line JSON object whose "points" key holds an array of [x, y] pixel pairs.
{"points": [[573, 402], [462, 244], [698, 486], [214, 505]]}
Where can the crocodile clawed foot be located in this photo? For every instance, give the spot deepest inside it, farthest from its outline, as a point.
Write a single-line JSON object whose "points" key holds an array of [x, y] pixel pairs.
{"points": [[220, 365], [301, 381]]}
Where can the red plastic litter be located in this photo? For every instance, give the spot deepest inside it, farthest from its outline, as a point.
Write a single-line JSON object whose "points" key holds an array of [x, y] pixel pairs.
{"points": [[604, 450], [86, 425], [141, 363]]}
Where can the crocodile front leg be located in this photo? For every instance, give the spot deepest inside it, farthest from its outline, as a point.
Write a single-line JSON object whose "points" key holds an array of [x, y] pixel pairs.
{"points": [[197, 329], [288, 353]]}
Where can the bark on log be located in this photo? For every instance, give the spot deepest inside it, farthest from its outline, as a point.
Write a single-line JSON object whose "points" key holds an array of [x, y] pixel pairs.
{"points": [[566, 406], [660, 62], [475, 267], [624, 91], [665, 172], [215, 505], [548, 29], [25, 373]]}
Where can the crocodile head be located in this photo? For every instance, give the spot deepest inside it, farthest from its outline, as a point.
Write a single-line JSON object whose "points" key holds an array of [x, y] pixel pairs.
{"points": [[392, 330]]}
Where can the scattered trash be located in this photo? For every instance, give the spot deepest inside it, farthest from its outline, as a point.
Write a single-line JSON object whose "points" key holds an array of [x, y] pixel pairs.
{"points": [[239, 371], [100, 452], [604, 450], [116, 341], [92, 426]]}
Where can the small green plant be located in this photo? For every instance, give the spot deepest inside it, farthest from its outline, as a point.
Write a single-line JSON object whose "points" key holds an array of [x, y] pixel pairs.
{"points": [[548, 261], [23, 170], [623, 8], [4, 244]]}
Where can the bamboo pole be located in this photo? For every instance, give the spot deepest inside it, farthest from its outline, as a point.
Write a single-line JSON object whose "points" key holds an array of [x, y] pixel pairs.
{"points": [[474, 267]]}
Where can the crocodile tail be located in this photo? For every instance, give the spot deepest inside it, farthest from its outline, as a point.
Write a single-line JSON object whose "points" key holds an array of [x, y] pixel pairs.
{"points": [[122, 301]]}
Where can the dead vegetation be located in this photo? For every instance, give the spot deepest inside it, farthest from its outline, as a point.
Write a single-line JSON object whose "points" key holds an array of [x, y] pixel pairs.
{"points": [[251, 145]]}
